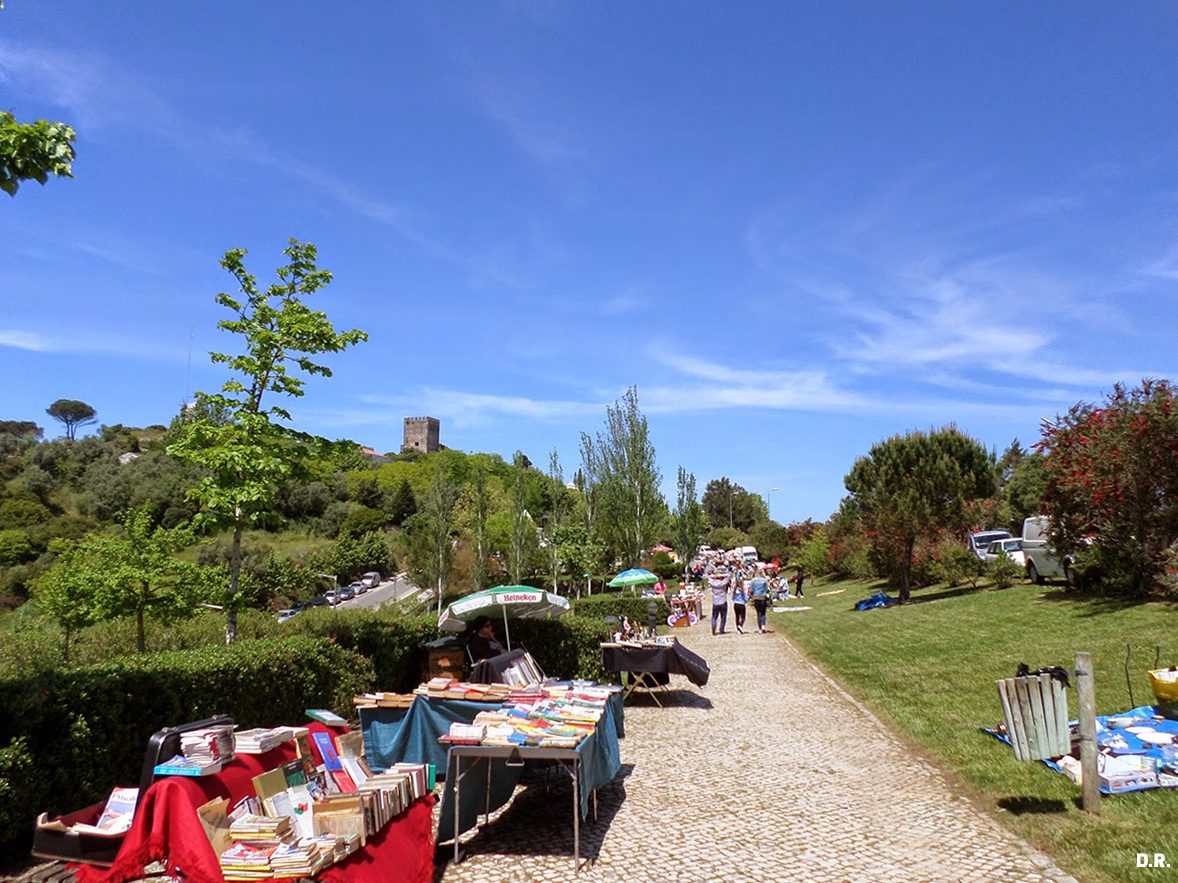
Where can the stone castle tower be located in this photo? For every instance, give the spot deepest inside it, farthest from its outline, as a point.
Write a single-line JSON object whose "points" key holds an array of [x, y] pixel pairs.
{"points": [[421, 434]]}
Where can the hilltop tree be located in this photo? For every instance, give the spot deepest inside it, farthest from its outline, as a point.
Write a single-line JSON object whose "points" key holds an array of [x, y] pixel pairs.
{"points": [[248, 452], [23, 429], [33, 151], [917, 486], [403, 505], [72, 414]]}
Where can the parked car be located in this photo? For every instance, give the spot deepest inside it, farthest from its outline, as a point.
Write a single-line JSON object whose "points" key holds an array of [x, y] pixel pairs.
{"points": [[980, 540], [288, 613], [1042, 561], [358, 587], [319, 601], [1012, 549], [347, 593], [371, 579], [333, 596]]}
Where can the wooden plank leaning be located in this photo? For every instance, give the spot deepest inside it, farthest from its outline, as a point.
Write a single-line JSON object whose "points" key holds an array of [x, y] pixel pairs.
{"points": [[1022, 690]]}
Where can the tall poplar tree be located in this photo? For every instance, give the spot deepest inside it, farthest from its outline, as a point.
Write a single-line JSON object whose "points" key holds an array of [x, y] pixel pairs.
{"points": [[633, 507], [251, 451], [689, 519]]}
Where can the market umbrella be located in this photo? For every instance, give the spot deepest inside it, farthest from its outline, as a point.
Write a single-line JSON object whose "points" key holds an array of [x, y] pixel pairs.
{"points": [[520, 602], [633, 577]]}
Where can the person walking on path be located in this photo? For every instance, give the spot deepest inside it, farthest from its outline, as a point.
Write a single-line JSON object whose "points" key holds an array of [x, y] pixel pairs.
{"points": [[759, 590], [740, 596], [799, 579], [719, 582]]}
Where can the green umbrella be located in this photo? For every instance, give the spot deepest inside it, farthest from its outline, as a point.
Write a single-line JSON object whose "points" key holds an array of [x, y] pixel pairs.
{"points": [[634, 577], [520, 602]]}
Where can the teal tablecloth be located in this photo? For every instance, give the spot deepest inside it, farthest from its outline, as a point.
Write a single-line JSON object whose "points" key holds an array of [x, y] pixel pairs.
{"points": [[410, 735], [600, 760]]}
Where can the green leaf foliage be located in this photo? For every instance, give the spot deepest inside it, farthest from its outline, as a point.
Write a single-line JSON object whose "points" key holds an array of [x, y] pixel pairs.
{"points": [[33, 151]]}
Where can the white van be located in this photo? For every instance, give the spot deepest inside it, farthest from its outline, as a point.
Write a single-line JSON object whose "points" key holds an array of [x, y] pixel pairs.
{"points": [[1042, 559]]}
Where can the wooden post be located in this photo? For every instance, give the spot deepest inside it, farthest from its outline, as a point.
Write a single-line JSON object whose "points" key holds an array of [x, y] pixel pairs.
{"points": [[1087, 691]]}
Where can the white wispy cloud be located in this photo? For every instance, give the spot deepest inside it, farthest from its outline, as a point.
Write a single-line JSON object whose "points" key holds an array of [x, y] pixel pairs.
{"points": [[90, 341], [1165, 267], [26, 340]]}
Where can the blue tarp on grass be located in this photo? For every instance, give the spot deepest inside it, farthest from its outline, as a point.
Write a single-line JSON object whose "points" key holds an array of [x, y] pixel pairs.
{"points": [[1117, 741]]}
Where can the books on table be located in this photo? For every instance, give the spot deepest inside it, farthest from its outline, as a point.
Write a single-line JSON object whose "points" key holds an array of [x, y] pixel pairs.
{"points": [[326, 717], [209, 744]]}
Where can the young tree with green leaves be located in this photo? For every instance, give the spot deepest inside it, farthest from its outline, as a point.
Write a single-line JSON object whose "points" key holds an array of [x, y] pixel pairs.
{"points": [[248, 452], [33, 151], [917, 486], [480, 509], [521, 519], [439, 511], [66, 592], [132, 573]]}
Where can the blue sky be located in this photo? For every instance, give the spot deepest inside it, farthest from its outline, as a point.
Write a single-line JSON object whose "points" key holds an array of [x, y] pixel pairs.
{"points": [[796, 230]]}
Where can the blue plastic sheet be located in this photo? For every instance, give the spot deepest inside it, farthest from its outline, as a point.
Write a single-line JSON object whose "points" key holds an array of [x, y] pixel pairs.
{"points": [[877, 600]]}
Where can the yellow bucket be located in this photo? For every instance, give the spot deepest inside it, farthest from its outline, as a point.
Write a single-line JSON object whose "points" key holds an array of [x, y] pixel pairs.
{"points": [[1164, 683]]}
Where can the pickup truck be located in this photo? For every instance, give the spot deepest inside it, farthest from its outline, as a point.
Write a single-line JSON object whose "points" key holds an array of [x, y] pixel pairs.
{"points": [[1042, 559]]}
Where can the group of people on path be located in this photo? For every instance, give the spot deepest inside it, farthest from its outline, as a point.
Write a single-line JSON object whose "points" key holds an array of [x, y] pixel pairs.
{"points": [[755, 586]]}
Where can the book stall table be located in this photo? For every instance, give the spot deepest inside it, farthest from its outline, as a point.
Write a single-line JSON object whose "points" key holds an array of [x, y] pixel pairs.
{"points": [[482, 778], [659, 658], [410, 735], [490, 773], [167, 826]]}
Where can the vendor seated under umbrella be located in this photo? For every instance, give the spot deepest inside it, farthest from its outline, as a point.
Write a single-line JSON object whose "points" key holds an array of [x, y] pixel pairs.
{"points": [[483, 643]]}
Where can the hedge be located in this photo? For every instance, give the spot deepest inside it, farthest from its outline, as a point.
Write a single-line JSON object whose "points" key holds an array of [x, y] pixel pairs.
{"points": [[390, 641], [68, 737], [619, 606]]}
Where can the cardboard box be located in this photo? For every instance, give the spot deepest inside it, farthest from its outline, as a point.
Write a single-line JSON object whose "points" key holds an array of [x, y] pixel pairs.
{"points": [[1130, 772]]}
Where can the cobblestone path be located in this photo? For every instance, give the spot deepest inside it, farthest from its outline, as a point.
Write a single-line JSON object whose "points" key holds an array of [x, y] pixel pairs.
{"points": [[769, 773]]}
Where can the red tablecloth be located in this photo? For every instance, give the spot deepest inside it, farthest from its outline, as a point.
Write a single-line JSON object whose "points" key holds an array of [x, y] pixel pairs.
{"points": [[167, 827]]}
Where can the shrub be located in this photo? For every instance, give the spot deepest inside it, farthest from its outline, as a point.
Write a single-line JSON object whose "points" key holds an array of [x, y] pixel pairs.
{"points": [[662, 564], [955, 564], [1004, 571], [85, 730], [599, 606]]}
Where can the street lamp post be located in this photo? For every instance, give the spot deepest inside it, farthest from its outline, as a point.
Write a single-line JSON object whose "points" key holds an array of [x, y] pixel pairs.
{"points": [[769, 500]]}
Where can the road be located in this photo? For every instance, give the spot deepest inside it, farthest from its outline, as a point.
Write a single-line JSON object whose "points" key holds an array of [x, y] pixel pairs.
{"points": [[395, 588]]}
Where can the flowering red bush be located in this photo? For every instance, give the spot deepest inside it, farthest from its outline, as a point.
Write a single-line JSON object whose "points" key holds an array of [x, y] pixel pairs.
{"points": [[1112, 483]]}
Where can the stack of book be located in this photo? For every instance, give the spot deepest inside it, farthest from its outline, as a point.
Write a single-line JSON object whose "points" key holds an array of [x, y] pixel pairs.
{"points": [[248, 860], [383, 700], [179, 765], [261, 739], [208, 745]]}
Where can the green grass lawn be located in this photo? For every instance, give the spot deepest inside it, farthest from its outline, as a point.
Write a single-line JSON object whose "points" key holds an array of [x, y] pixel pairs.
{"points": [[928, 668]]}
